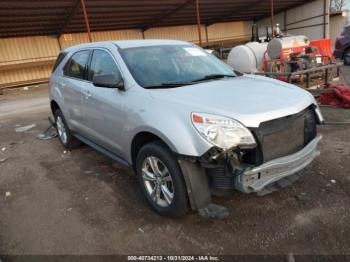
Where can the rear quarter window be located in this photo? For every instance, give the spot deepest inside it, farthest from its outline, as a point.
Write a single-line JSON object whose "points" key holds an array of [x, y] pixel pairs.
{"points": [[76, 66], [59, 59]]}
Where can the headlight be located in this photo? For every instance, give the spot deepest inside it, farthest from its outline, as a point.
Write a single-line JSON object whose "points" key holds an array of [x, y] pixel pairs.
{"points": [[222, 131]]}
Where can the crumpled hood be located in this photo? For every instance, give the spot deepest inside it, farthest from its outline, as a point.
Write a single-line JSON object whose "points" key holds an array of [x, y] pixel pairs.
{"points": [[249, 99]]}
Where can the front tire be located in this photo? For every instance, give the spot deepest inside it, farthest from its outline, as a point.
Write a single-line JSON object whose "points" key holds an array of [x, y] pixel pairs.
{"points": [[161, 180], [64, 134]]}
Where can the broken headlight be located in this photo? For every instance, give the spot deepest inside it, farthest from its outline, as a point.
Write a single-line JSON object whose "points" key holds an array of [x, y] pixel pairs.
{"points": [[223, 132]]}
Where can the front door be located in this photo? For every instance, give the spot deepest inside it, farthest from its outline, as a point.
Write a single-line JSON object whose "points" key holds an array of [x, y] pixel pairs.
{"points": [[104, 107]]}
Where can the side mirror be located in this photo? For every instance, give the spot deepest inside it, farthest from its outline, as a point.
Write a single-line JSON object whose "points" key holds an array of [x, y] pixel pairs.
{"points": [[109, 81]]}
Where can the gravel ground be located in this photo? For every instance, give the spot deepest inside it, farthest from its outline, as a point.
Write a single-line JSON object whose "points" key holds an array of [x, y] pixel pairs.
{"points": [[81, 202]]}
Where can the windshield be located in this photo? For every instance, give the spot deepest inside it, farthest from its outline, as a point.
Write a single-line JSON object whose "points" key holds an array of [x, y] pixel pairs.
{"points": [[173, 65]]}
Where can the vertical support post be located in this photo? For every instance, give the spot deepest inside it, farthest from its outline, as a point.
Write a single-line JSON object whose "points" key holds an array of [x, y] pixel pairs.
{"points": [[198, 23], [86, 19], [324, 18], [307, 79], [143, 34], [272, 20], [206, 35]]}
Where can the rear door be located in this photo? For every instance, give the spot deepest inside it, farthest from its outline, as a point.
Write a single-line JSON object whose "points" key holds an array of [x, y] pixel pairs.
{"points": [[75, 78], [104, 107]]}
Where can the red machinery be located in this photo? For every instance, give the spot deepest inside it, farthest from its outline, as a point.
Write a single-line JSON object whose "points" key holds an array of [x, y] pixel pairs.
{"points": [[287, 58], [291, 55]]}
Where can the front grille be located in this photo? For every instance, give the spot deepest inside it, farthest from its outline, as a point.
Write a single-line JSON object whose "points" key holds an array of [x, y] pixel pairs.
{"points": [[282, 137], [278, 143]]}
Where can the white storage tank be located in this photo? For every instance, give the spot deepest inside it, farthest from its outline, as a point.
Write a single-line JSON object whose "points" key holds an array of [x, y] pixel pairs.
{"points": [[276, 45], [247, 58]]}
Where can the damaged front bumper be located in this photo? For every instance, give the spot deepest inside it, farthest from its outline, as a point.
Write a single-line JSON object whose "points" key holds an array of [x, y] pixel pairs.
{"points": [[201, 182], [257, 178]]}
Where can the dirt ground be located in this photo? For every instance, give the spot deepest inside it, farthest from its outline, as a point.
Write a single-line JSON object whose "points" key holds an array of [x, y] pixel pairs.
{"points": [[81, 202]]}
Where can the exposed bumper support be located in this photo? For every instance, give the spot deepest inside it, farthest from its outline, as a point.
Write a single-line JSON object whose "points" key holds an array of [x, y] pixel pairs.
{"points": [[256, 179]]}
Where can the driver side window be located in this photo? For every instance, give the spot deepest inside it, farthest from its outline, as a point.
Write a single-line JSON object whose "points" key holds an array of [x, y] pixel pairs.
{"points": [[102, 63]]}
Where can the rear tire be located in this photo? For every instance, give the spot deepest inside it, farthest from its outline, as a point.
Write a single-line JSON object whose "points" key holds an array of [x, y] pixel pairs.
{"points": [[64, 134], [161, 180]]}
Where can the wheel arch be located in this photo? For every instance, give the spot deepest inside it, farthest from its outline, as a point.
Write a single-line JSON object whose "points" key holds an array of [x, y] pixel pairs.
{"points": [[54, 106], [142, 138]]}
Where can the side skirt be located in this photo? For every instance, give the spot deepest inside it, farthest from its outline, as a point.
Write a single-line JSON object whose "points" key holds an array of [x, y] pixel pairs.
{"points": [[102, 150]]}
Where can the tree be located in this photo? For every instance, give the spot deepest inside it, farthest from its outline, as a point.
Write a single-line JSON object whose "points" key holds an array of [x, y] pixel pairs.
{"points": [[338, 5]]}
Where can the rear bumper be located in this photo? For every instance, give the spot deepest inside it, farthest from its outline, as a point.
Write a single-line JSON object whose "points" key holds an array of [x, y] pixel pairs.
{"points": [[256, 179]]}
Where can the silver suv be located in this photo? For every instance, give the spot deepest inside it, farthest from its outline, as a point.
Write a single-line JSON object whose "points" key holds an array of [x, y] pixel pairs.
{"points": [[187, 123]]}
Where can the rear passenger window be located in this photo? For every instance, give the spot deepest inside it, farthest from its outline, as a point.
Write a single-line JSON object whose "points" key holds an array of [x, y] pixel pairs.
{"points": [[76, 66], [102, 63]]}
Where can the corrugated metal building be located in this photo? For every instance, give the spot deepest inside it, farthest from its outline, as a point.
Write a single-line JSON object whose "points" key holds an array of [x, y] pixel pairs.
{"points": [[26, 59], [30, 59], [337, 21], [311, 20]]}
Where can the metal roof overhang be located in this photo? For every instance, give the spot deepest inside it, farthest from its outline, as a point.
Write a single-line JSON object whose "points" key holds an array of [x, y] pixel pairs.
{"points": [[56, 17]]}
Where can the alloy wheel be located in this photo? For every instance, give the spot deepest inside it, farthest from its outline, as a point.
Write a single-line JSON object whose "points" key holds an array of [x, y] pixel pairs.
{"points": [[61, 129], [157, 181]]}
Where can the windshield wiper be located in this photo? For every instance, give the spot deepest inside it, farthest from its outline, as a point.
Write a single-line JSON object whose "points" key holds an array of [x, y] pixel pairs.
{"points": [[212, 77], [178, 84], [167, 85]]}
